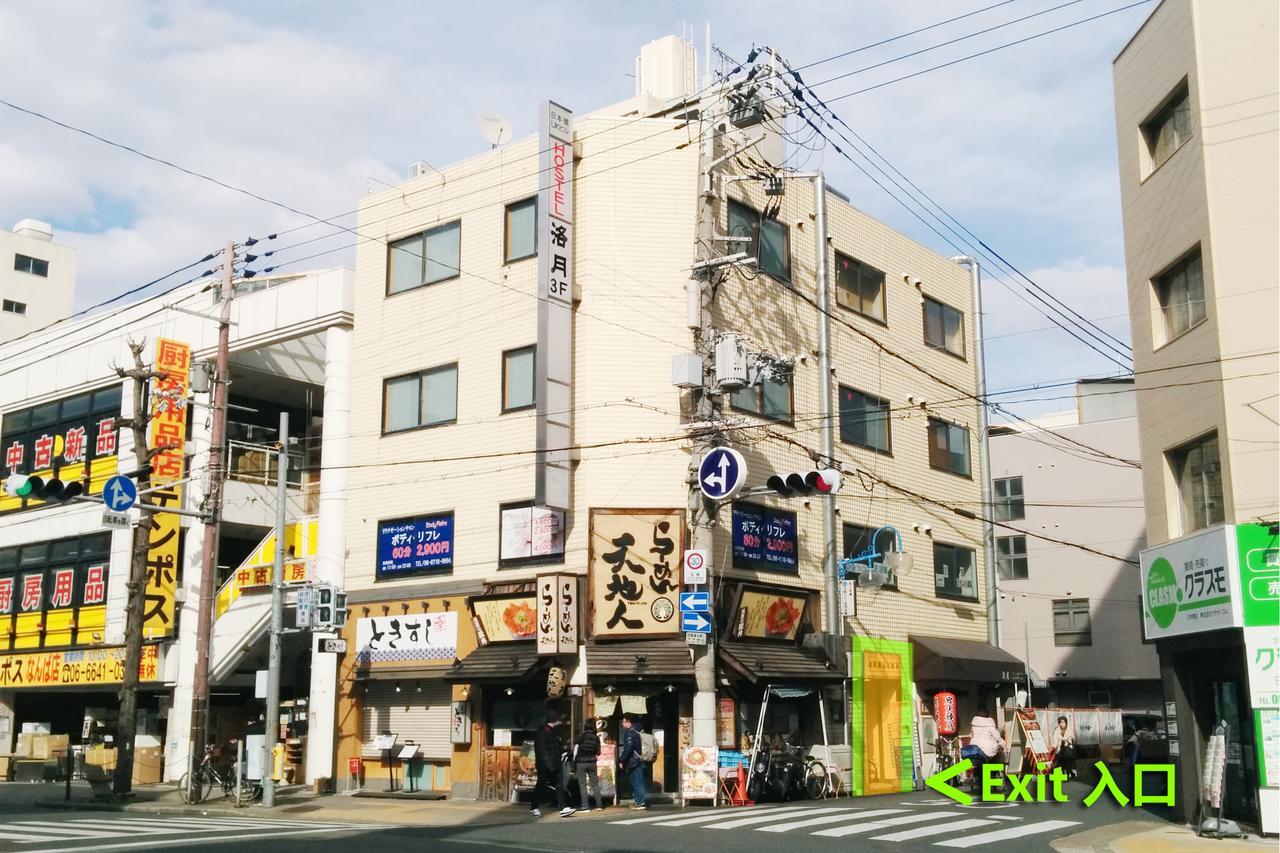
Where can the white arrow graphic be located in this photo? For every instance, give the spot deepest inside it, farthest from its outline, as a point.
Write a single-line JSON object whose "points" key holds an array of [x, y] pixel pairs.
{"points": [[699, 621]]}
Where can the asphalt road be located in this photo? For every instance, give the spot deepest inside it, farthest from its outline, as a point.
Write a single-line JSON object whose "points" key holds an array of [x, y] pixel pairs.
{"points": [[910, 822]]}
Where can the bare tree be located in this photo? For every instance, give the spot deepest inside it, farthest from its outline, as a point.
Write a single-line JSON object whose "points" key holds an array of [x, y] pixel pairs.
{"points": [[135, 586]]}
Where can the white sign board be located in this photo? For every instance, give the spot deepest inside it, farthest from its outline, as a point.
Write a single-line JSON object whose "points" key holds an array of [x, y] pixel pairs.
{"points": [[695, 566], [695, 638], [384, 741], [115, 520], [553, 371], [1190, 585], [333, 646], [531, 531], [1262, 656], [408, 638], [557, 614]]}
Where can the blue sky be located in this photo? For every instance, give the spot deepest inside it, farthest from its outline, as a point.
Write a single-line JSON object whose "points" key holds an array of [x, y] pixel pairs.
{"points": [[312, 104]]}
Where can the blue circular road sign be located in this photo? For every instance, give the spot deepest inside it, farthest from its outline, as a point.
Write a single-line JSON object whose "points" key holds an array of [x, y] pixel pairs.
{"points": [[119, 493], [722, 474]]}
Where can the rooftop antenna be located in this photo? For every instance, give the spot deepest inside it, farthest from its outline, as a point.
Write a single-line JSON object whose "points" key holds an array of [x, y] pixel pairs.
{"points": [[495, 129]]}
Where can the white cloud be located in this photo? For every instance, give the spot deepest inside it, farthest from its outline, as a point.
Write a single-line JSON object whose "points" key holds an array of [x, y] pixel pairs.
{"points": [[304, 103]]}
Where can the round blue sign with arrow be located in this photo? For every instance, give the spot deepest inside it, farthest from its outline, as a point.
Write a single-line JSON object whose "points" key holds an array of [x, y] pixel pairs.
{"points": [[722, 474], [119, 493]]}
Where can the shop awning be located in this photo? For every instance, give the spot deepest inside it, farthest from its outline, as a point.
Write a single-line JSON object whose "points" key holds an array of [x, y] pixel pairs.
{"points": [[941, 659], [496, 662], [639, 660], [778, 663]]}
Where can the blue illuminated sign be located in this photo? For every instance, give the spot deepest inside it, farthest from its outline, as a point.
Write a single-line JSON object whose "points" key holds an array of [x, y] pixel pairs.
{"points": [[415, 546]]}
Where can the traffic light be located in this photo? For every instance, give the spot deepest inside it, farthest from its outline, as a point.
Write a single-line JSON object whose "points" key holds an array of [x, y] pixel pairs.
{"points": [[51, 489], [824, 481], [330, 607]]}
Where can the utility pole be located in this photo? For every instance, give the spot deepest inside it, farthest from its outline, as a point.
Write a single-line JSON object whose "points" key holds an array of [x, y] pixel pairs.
{"points": [[213, 513], [702, 511], [830, 588], [272, 728], [135, 586], [984, 453]]}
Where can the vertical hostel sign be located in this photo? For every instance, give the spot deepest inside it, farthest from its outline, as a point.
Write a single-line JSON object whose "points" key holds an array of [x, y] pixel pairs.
{"points": [[553, 368], [166, 433]]}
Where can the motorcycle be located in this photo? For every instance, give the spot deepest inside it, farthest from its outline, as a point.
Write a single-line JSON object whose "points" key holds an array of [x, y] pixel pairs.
{"points": [[777, 775]]}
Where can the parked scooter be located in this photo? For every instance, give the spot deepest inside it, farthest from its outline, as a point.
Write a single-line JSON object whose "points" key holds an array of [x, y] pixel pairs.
{"points": [[974, 776]]}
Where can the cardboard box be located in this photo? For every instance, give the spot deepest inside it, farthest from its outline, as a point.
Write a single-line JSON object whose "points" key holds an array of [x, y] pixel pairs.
{"points": [[101, 756], [148, 765], [24, 745]]}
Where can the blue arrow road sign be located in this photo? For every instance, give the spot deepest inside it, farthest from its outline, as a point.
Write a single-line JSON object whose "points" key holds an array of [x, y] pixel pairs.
{"points": [[695, 602], [694, 623], [119, 493], [722, 473]]}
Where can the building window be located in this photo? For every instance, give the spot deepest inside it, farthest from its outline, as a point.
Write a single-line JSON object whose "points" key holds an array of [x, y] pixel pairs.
{"points": [[770, 240], [517, 379], [422, 399], [28, 264], [426, 258], [864, 420], [529, 534], [943, 327], [953, 572], [860, 287], [1165, 131], [521, 230], [857, 540], [770, 398], [1011, 557], [1198, 473], [55, 593], [12, 307], [948, 447], [1071, 622], [1009, 504], [1180, 291]]}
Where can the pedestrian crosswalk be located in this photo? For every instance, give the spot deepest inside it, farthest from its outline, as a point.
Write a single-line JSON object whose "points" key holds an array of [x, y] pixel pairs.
{"points": [[945, 826], [125, 831]]}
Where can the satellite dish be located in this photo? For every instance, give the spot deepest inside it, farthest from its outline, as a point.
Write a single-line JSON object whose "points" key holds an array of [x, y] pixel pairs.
{"points": [[495, 129]]}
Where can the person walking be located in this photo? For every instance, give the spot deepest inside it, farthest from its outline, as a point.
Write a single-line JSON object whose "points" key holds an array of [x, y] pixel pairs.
{"points": [[585, 752], [631, 762], [548, 756]]}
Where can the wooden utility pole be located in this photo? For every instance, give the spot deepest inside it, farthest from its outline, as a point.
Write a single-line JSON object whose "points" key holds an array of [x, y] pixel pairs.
{"points": [[213, 513], [135, 587]]}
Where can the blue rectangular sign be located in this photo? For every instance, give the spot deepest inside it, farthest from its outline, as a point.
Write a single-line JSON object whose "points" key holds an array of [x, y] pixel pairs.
{"points": [[695, 602], [695, 623], [764, 538], [415, 546]]}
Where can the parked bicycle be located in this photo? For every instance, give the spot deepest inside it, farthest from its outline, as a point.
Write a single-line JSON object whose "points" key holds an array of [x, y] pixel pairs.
{"points": [[821, 780], [208, 776]]}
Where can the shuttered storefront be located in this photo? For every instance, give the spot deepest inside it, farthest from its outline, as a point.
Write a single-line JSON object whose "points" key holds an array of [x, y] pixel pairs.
{"points": [[412, 715]]}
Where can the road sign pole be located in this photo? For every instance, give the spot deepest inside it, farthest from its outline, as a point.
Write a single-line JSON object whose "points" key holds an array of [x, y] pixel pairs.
{"points": [[277, 616]]}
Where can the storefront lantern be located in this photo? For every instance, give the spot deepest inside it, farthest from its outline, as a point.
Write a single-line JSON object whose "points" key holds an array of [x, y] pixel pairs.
{"points": [[555, 682], [945, 713]]}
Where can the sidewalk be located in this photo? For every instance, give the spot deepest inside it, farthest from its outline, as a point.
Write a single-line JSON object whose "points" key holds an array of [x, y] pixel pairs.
{"points": [[1137, 836], [292, 801]]}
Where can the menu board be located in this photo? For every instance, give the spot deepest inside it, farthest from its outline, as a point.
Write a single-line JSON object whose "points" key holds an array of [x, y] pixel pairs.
{"points": [[698, 779], [767, 615]]}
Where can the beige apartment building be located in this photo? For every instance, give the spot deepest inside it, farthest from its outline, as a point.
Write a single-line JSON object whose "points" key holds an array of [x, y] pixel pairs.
{"points": [[474, 604], [37, 279], [1197, 129]]}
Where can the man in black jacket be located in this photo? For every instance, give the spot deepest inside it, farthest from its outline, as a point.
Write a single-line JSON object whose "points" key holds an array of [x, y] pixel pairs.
{"points": [[548, 755], [586, 751], [631, 761]]}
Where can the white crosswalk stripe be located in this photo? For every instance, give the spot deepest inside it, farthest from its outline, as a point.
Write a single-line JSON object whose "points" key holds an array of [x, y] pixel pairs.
{"points": [[936, 829], [875, 825], [1005, 834], [906, 821], [58, 834]]}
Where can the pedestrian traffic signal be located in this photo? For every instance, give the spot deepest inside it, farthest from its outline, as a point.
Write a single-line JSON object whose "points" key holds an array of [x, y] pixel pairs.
{"points": [[51, 489], [824, 481]]}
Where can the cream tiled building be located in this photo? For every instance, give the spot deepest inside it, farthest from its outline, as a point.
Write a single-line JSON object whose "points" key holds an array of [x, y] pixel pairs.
{"points": [[1197, 129], [443, 431]]}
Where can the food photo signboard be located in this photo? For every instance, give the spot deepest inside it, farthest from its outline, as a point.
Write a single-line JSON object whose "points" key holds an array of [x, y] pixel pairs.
{"points": [[505, 618], [769, 615]]}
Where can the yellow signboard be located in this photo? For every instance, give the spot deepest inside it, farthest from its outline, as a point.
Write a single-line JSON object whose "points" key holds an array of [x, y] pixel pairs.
{"points": [[167, 432], [634, 571], [74, 668]]}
